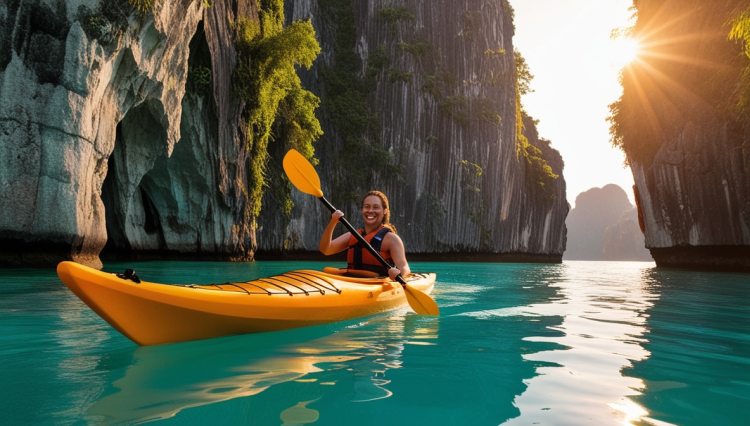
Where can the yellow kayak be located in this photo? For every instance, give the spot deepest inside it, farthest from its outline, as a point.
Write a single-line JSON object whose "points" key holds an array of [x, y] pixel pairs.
{"points": [[151, 313]]}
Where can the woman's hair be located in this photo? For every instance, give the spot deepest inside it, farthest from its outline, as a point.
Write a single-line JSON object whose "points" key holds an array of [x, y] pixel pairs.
{"points": [[386, 206]]}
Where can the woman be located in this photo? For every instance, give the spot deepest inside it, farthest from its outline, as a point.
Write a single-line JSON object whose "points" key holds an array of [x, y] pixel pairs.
{"points": [[378, 231]]}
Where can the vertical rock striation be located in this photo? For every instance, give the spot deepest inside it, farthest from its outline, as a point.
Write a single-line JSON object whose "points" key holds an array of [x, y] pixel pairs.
{"points": [[443, 101], [92, 107], [695, 199]]}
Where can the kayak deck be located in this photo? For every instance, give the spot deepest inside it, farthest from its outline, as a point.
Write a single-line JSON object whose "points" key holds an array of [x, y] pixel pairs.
{"points": [[289, 284], [151, 313]]}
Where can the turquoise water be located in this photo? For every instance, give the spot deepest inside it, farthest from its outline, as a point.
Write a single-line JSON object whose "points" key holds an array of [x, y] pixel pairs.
{"points": [[575, 343]]}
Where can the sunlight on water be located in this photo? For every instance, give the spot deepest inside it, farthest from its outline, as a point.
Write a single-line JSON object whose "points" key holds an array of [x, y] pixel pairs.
{"points": [[567, 344], [601, 332]]}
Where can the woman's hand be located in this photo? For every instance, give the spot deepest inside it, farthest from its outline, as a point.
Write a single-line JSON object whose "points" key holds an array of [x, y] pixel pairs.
{"points": [[327, 244], [393, 273], [393, 245]]}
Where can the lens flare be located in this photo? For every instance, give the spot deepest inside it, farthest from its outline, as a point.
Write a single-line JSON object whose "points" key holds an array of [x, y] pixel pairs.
{"points": [[623, 51]]}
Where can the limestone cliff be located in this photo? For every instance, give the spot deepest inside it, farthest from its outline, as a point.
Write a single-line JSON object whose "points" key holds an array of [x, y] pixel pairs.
{"points": [[92, 107], [120, 132], [436, 80], [682, 124]]}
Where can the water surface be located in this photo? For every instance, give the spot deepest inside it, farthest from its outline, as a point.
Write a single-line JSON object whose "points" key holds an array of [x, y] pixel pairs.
{"points": [[572, 343]]}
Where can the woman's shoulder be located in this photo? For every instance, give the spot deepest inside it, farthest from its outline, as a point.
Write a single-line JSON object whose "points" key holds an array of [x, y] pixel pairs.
{"points": [[392, 237]]}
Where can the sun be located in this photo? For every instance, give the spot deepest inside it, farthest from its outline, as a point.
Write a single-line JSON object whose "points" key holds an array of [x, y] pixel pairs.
{"points": [[623, 51]]}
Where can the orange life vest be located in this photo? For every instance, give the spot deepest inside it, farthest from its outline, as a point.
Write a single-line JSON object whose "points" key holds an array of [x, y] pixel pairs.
{"points": [[357, 257]]}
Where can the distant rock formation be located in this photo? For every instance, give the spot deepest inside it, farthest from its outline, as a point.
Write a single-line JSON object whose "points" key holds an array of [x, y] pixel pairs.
{"points": [[604, 226], [624, 240]]}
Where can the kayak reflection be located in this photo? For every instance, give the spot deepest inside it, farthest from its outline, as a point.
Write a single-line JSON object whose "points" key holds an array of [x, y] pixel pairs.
{"points": [[164, 380]]}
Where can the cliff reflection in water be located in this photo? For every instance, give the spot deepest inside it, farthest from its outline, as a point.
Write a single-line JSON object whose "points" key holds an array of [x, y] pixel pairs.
{"points": [[164, 380]]}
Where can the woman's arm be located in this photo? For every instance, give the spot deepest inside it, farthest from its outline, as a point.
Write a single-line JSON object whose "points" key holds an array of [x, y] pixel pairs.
{"points": [[395, 247], [327, 244]]}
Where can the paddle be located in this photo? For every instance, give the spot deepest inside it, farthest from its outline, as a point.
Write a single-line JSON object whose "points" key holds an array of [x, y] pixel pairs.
{"points": [[304, 177]]}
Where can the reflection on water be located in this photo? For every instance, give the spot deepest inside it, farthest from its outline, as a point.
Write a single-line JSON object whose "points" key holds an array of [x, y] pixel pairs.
{"points": [[79, 365], [573, 343], [699, 339], [600, 331], [163, 380], [299, 414]]}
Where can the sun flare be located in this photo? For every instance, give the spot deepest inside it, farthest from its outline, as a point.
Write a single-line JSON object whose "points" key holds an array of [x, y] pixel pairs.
{"points": [[623, 51]]}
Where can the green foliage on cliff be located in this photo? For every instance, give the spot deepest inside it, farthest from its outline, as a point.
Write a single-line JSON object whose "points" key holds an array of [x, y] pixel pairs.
{"points": [[487, 111], [346, 100], [199, 79], [471, 174], [107, 23], [416, 48], [392, 15], [456, 106], [402, 76], [537, 167], [693, 74], [523, 75], [472, 22], [376, 62], [266, 79], [452, 101], [494, 53], [142, 6], [741, 31]]}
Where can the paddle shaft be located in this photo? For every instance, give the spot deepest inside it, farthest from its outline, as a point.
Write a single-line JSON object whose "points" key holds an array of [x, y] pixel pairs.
{"points": [[361, 239]]}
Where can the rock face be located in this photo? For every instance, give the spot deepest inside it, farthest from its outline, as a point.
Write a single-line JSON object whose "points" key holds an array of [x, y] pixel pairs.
{"points": [[120, 134], [691, 157], [604, 226], [695, 199], [443, 101], [92, 107]]}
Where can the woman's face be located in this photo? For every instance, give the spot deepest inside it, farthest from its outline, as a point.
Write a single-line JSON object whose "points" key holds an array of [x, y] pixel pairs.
{"points": [[373, 211]]}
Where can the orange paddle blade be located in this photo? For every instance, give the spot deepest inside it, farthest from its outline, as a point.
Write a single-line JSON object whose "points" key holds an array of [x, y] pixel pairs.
{"points": [[301, 173]]}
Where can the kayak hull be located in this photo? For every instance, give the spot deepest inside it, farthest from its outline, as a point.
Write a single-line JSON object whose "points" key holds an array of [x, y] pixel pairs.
{"points": [[151, 313]]}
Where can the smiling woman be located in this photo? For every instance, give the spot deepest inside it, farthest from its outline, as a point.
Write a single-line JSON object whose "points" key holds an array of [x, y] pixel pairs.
{"points": [[378, 231]]}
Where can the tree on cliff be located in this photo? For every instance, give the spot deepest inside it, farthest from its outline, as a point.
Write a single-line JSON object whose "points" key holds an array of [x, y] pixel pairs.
{"points": [[688, 71]]}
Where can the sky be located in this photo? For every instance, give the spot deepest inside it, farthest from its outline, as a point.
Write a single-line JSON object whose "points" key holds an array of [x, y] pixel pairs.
{"points": [[576, 64]]}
